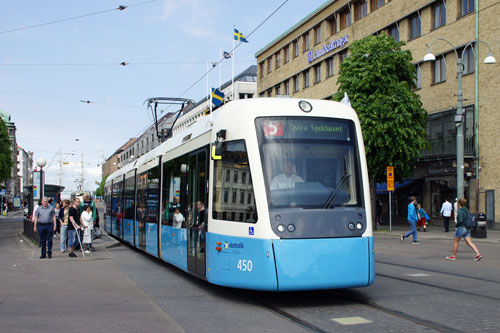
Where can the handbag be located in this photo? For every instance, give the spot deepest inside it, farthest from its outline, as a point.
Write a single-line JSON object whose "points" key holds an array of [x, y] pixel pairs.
{"points": [[427, 217]]}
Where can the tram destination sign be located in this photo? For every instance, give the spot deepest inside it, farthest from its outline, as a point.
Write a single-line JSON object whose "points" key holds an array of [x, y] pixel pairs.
{"points": [[311, 129], [333, 45]]}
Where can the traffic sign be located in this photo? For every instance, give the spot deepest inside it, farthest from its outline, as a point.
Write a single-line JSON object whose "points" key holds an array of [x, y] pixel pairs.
{"points": [[390, 178]]}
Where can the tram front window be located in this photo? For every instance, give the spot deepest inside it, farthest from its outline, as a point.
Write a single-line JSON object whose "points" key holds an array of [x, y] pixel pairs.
{"points": [[309, 162]]}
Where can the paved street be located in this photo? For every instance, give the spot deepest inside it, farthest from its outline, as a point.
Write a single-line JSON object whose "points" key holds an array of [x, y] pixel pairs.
{"points": [[122, 289]]}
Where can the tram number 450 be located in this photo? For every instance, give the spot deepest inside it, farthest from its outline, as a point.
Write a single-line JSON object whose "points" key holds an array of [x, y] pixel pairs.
{"points": [[245, 265]]}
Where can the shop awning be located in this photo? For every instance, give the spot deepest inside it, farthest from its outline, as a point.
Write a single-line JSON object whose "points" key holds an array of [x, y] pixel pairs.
{"points": [[382, 187]]}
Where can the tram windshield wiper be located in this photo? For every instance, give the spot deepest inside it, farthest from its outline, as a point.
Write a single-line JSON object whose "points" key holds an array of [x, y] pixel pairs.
{"points": [[334, 193]]}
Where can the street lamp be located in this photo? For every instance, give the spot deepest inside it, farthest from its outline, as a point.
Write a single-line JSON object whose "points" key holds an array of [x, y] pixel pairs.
{"points": [[41, 162], [459, 114]]}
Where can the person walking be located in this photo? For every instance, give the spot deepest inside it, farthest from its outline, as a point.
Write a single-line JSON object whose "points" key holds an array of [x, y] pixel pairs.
{"points": [[462, 231], [58, 223], [73, 226], [455, 211], [412, 219], [87, 224], [422, 218], [45, 224], [87, 201], [64, 219], [446, 209]]}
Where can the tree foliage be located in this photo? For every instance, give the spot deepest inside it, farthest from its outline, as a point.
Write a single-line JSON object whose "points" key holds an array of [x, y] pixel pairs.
{"points": [[6, 161], [100, 189], [378, 78]]}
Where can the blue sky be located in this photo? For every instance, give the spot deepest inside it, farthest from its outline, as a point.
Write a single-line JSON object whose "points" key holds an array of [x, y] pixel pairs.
{"points": [[43, 99]]}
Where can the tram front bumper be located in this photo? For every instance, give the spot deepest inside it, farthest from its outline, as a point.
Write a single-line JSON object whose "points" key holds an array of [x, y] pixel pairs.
{"points": [[306, 264]]}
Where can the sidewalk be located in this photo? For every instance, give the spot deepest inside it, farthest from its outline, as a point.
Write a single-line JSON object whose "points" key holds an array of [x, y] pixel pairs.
{"points": [[16, 213], [434, 232]]}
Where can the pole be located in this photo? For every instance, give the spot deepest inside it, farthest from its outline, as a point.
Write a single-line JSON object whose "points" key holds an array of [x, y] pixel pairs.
{"points": [[390, 212], [220, 65], [460, 132], [476, 105], [232, 74]]}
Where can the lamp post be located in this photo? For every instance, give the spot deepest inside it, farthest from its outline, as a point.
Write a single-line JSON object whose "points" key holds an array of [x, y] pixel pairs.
{"points": [[459, 115]]}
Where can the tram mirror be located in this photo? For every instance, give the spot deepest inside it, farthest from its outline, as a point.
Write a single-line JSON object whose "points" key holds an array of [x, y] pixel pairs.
{"points": [[184, 168]]}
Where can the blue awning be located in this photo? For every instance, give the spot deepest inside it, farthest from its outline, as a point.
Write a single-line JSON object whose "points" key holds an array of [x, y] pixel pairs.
{"points": [[382, 187]]}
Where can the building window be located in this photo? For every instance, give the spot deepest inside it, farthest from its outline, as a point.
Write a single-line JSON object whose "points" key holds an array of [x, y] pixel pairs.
{"points": [[286, 86], [376, 4], [295, 83], [317, 73], [331, 23], [415, 27], [269, 64], [468, 60], [360, 10], [262, 94], [439, 15], [342, 56], [305, 39], [278, 60], [235, 178], [394, 32], [345, 18], [439, 69], [466, 7], [269, 93], [329, 67], [226, 196], [286, 52], [317, 34], [418, 77], [278, 90], [296, 48], [306, 78], [262, 69], [243, 177]]}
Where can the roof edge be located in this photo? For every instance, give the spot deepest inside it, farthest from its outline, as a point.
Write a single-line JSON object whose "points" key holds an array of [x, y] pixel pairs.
{"points": [[294, 27]]}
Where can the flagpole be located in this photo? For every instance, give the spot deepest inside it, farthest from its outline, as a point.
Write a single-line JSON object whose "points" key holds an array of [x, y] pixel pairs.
{"points": [[220, 65], [232, 74], [208, 89]]}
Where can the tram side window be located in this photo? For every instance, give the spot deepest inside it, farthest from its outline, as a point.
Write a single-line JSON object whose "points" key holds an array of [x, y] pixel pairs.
{"points": [[234, 161], [108, 200], [174, 193], [129, 198], [116, 203], [141, 197], [153, 191]]}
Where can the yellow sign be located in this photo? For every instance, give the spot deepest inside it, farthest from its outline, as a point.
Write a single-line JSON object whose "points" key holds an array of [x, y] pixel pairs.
{"points": [[390, 178]]}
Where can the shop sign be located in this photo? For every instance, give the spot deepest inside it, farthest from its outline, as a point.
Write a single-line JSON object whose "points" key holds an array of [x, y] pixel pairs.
{"points": [[334, 44]]}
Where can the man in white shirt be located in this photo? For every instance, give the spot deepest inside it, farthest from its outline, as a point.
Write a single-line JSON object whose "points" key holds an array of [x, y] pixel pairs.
{"points": [[446, 209], [286, 179]]}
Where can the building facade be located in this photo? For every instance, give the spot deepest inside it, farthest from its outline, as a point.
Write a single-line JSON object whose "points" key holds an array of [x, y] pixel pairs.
{"points": [[11, 185], [304, 62], [24, 170]]}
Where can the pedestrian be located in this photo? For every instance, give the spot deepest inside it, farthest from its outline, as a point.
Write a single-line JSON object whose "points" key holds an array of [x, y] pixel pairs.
{"points": [[422, 218], [73, 226], [178, 218], [87, 224], [379, 210], [446, 209], [64, 219], [455, 211], [58, 223], [462, 231], [45, 223], [87, 201], [412, 219]]}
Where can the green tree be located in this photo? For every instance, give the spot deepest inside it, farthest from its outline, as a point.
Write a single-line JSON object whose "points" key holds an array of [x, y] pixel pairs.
{"points": [[100, 189], [5, 152], [378, 78]]}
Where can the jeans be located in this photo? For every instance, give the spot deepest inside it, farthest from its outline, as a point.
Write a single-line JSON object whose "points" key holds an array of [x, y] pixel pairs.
{"points": [[412, 231], [64, 237], [446, 223], [46, 233]]}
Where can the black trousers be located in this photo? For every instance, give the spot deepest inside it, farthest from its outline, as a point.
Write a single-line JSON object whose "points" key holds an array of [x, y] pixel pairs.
{"points": [[446, 223], [46, 234]]}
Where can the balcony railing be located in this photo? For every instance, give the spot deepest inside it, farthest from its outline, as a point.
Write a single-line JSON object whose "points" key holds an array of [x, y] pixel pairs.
{"points": [[447, 146]]}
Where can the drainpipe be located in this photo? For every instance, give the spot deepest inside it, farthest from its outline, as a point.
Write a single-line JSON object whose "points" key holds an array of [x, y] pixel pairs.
{"points": [[476, 103]]}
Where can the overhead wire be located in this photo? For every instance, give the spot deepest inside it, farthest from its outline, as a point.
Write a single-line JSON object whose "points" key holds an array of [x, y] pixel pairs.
{"points": [[123, 63], [119, 8]]}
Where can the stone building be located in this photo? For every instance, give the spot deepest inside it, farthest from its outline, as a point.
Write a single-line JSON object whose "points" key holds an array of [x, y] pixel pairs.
{"points": [[304, 62], [11, 185]]}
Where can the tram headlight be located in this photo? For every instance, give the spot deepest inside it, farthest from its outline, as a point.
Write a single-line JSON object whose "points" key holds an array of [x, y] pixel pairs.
{"points": [[291, 227], [305, 106], [281, 228], [351, 226], [359, 225]]}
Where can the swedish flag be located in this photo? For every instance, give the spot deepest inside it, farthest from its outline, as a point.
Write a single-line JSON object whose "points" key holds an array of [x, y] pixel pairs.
{"points": [[239, 36], [217, 97]]}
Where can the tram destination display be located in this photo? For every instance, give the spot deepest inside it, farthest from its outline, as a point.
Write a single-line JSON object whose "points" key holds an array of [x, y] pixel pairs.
{"points": [[304, 128]]}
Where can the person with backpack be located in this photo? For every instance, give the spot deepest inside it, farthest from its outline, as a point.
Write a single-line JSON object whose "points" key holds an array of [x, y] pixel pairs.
{"points": [[465, 221]]}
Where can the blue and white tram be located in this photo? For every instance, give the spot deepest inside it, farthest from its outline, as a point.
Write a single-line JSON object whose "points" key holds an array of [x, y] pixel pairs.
{"points": [[267, 194]]}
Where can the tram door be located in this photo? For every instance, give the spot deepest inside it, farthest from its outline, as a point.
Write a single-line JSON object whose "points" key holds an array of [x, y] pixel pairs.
{"points": [[197, 215]]}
